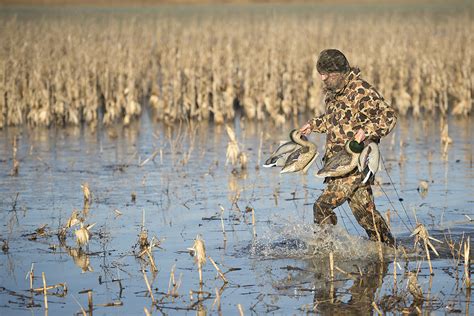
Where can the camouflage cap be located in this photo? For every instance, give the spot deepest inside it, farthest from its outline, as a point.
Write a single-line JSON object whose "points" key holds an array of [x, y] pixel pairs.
{"points": [[332, 60]]}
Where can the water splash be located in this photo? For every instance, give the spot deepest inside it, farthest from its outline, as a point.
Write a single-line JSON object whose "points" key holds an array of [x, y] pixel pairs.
{"points": [[300, 240]]}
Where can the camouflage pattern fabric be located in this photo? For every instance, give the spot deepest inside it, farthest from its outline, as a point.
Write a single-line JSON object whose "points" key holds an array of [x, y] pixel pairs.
{"points": [[361, 201], [357, 105]]}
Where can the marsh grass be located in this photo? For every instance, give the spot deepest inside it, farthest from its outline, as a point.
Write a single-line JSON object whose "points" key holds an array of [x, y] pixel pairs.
{"points": [[58, 70]]}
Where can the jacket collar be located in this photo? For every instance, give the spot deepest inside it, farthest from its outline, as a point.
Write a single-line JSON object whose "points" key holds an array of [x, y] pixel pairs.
{"points": [[352, 75]]}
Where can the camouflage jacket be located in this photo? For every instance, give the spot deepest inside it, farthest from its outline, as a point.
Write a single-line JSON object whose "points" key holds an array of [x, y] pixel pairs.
{"points": [[356, 105]]}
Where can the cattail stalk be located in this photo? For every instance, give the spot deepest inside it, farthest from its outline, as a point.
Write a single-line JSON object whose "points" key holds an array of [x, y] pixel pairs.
{"points": [[16, 163], [428, 257], [148, 287], [45, 291], [89, 300], [376, 308], [87, 194], [241, 311], [172, 280], [51, 287], [222, 276], [467, 265], [331, 265], [147, 312], [152, 261], [217, 300], [222, 223], [199, 250], [32, 275]]}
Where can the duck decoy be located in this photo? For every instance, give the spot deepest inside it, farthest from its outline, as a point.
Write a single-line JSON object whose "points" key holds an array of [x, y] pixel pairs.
{"points": [[279, 156], [303, 157], [369, 162], [345, 160]]}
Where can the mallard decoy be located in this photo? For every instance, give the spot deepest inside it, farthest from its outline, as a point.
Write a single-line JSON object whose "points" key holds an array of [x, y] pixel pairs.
{"points": [[369, 161], [302, 158], [279, 156], [345, 160]]}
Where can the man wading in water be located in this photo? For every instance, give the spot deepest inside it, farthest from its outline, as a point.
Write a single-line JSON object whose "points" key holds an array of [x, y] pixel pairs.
{"points": [[351, 104]]}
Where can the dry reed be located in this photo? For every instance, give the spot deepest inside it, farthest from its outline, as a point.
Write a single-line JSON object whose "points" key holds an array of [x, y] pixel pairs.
{"points": [[90, 302], [87, 195], [83, 234], [148, 287], [45, 291], [374, 305], [467, 262], [241, 311], [414, 288], [147, 312], [331, 265], [174, 283], [221, 275], [31, 275], [217, 300], [222, 223], [61, 71], [16, 163], [83, 311], [198, 250], [73, 219], [421, 233]]}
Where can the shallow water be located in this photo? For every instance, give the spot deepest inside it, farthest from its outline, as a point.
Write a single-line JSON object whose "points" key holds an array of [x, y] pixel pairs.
{"points": [[275, 266]]}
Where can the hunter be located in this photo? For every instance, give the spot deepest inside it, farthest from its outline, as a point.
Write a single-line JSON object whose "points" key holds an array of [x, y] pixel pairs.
{"points": [[352, 104]]}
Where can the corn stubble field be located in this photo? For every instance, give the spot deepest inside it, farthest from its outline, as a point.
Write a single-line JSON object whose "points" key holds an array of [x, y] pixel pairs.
{"points": [[68, 69], [123, 241]]}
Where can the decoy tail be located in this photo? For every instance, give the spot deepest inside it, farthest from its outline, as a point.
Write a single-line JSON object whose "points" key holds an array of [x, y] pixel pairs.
{"points": [[368, 175]]}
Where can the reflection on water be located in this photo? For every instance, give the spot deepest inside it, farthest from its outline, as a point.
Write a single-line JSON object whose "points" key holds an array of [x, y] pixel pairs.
{"points": [[265, 244], [80, 258]]}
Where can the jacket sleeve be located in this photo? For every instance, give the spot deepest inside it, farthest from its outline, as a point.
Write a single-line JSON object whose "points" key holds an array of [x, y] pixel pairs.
{"points": [[375, 117], [318, 123]]}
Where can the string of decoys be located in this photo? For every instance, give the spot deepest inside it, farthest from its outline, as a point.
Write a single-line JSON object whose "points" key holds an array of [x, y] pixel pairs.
{"points": [[299, 153]]}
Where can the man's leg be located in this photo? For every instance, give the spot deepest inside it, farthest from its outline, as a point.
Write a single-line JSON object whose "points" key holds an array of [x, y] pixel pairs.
{"points": [[333, 195], [363, 207]]}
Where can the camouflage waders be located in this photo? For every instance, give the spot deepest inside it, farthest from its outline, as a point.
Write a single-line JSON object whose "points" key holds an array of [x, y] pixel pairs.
{"points": [[361, 201]]}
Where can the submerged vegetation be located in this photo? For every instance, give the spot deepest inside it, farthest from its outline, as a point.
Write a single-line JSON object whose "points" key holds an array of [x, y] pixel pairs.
{"points": [[68, 68]]}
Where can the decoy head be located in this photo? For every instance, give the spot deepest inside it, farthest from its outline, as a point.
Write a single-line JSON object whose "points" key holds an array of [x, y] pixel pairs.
{"points": [[296, 136]]}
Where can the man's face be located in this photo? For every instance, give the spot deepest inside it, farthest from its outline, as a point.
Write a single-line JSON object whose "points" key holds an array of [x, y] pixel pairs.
{"points": [[332, 80]]}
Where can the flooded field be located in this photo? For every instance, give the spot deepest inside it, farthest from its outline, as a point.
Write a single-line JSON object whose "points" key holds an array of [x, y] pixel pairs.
{"points": [[173, 183]]}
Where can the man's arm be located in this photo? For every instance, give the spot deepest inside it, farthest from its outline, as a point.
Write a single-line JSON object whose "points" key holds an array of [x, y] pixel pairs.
{"points": [[316, 124]]}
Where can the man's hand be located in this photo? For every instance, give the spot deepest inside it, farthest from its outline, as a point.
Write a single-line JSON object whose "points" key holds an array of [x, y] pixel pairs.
{"points": [[306, 129], [360, 136]]}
